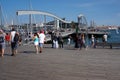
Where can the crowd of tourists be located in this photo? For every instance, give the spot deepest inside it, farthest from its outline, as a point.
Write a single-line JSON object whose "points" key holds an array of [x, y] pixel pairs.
{"points": [[13, 39]]}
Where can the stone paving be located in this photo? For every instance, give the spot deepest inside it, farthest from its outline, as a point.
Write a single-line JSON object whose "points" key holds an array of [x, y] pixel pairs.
{"points": [[60, 64]]}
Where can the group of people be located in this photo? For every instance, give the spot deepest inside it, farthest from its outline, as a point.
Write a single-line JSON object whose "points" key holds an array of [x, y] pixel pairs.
{"points": [[94, 40], [39, 39], [80, 41], [57, 40], [13, 39]]}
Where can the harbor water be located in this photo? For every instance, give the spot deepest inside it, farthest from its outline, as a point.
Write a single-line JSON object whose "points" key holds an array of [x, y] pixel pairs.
{"points": [[114, 36]]}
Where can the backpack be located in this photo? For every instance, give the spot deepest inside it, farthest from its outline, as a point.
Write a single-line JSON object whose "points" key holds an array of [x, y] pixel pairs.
{"points": [[1, 39], [16, 38]]}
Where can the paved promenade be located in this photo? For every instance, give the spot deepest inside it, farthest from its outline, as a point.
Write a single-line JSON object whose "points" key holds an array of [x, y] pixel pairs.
{"points": [[61, 64]]}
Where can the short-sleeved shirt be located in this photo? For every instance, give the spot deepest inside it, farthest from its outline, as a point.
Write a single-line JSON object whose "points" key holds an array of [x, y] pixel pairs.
{"points": [[105, 37], [7, 37], [41, 38], [12, 35]]}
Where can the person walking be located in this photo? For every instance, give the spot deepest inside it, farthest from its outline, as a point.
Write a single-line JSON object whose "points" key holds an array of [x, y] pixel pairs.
{"points": [[69, 41], [16, 42], [36, 41], [76, 40], [60, 40], [7, 39], [105, 37], [92, 41], [2, 43], [52, 38], [41, 40], [12, 35], [55, 41], [82, 41]]}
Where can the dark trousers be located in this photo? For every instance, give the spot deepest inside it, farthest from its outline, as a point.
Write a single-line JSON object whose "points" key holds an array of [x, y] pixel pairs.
{"points": [[61, 44]]}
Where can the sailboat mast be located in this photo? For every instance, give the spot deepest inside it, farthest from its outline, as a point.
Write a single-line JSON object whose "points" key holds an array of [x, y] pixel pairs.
{"points": [[1, 15], [30, 16]]}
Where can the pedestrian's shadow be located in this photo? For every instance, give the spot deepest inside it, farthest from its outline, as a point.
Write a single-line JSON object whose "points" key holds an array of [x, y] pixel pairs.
{"points": [[70, 48], [27, 52], [7, 54]]}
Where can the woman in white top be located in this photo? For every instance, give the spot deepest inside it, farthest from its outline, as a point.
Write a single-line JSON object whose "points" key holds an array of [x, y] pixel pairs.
{"points": [[93, 40], [69, 41]]}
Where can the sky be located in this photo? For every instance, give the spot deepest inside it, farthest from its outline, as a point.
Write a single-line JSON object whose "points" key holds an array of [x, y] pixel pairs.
{"points": [[102, 12]]}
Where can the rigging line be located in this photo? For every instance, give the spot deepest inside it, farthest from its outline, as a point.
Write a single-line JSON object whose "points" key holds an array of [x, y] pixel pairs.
{"points": [[3, 14]]}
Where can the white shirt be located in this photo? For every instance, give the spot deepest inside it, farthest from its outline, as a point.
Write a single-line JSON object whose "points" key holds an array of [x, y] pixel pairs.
{"points": [[68, 40], [93, 38], [12, 35], [41, 38], [105, 37]]}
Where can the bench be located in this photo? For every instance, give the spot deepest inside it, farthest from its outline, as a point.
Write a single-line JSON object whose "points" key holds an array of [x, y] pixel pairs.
{"points": [[110, 45]]}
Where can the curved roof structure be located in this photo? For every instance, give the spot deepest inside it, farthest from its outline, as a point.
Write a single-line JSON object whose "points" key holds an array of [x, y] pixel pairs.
{"points": [[82, 22], [27, 12]]}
